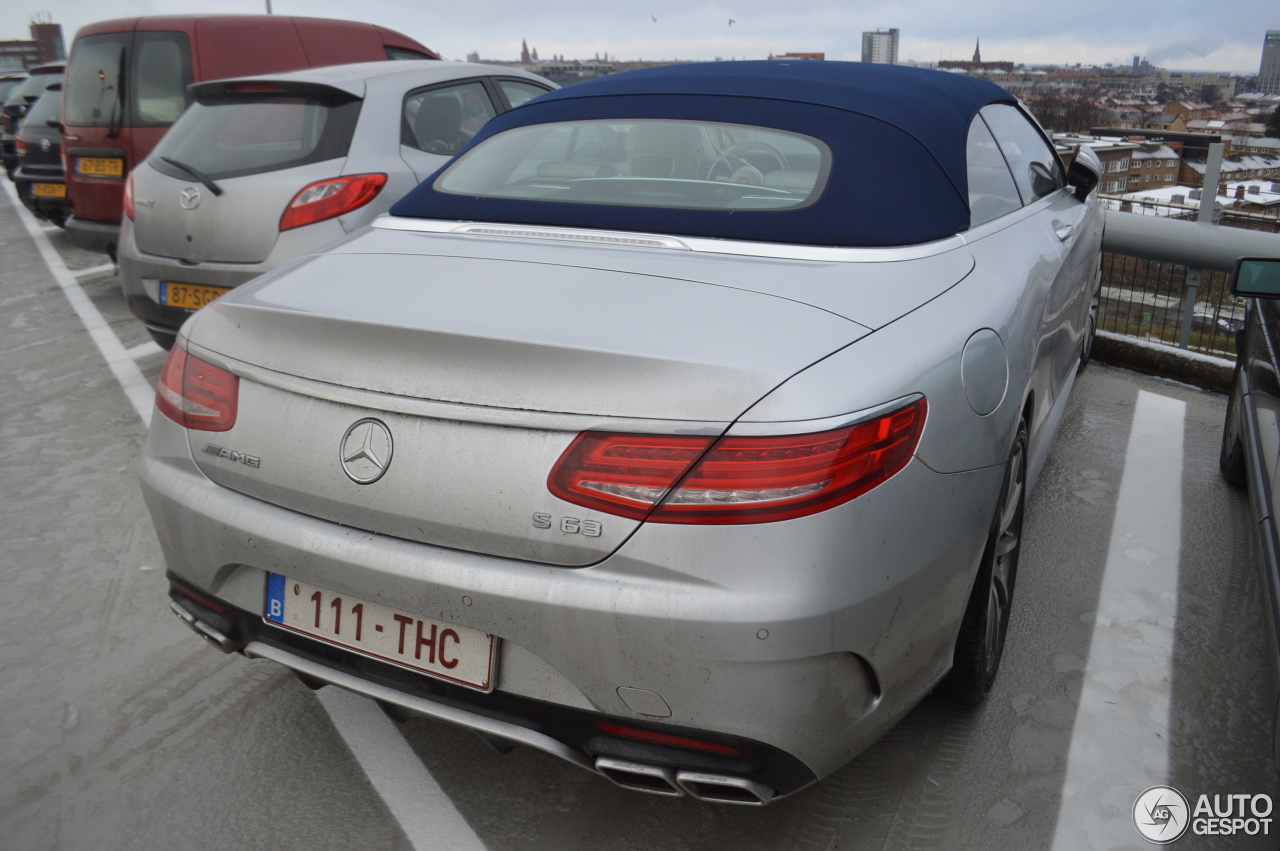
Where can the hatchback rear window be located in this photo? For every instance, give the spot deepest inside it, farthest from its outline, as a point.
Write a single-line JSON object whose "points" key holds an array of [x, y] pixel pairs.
{"points": [[645, 163], [236, 135], [48, 108]]}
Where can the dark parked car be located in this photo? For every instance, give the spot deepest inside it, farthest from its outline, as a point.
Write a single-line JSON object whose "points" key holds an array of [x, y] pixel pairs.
{"points": [[20, 99], [39, 178], [1251, 434]]}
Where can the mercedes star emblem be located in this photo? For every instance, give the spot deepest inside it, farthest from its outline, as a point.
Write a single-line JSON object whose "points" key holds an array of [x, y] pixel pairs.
{"points": [[366, 451]]}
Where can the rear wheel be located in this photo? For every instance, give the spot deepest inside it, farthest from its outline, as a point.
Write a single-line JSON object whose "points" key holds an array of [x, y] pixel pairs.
{"points": [[1231, 455], [1090, 333], [980, 644]]}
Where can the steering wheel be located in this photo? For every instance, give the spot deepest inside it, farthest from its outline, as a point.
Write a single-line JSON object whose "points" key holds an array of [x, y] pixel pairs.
{"points": [[735, 152]]}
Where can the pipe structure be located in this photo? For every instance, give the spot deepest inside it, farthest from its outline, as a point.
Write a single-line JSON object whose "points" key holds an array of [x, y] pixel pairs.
{"points": [[1192, 244]]}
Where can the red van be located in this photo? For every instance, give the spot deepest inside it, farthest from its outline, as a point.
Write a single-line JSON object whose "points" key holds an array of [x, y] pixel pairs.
{"points": [[128, 79]]}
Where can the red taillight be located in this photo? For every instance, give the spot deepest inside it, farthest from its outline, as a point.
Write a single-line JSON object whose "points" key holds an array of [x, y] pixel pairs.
{"points": [[738, 479], [196, 394], [128, 197], [20, 146], [665, 739], [325, 199]]}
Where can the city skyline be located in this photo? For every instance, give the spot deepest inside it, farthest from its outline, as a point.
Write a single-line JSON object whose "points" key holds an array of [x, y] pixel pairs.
{"points": [[1175, 34]]}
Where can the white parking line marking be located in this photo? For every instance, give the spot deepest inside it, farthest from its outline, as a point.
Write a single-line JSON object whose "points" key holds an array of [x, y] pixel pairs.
{"points": [[94, 270], [139, 392], [425, 814], [398, 775], [1120, 739], [142, 350]]}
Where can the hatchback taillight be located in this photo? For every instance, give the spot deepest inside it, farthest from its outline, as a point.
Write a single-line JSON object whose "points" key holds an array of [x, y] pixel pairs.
{"points": [[129, 208], [196, 394], [20, 146], [732, 480], [326, 199]]}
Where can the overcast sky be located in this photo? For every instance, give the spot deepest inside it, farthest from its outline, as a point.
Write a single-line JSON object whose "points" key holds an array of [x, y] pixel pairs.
{"points": [[1177, 34]]}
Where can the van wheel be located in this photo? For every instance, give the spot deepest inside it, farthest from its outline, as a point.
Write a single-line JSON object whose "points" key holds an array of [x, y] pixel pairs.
{"points": [[980, 644]]}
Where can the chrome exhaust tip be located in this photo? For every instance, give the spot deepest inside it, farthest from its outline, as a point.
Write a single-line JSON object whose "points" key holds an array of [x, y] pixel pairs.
{"points": [[722, 789], [639, 777], [202, 629]]}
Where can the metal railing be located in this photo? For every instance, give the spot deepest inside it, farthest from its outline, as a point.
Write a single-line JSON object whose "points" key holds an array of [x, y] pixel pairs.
{"points": [[1165, 270]]}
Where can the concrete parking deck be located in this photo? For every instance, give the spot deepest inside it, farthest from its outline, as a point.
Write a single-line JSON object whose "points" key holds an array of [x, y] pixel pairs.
{"points": [[1138, 655]]}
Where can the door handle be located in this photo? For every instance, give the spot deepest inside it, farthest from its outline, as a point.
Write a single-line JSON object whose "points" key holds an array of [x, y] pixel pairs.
{"points": [[1063, 232]]}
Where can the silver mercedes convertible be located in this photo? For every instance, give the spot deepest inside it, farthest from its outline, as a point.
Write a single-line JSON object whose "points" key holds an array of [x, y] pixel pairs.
{"points": [[681, 426]]}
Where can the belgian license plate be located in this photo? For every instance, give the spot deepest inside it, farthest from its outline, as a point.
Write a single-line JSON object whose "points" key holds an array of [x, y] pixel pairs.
{"points": [[445, 650], [49, 190], [100, 166], [190, 296]]}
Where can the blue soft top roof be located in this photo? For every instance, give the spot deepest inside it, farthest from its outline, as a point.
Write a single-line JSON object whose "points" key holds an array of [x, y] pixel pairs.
{"points": [[897, 137]]}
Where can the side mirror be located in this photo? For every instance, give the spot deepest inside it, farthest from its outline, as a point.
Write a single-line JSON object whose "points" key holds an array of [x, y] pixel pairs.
{"points": [[1085, 172], [1256, 277]]}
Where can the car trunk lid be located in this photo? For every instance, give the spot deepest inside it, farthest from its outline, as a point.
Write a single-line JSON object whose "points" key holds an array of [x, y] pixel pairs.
{"points": [[482, 372]]}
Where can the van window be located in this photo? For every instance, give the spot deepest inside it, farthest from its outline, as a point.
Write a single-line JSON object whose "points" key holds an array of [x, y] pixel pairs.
{"points": [[161, 74], [94, 79], [236, 135]]}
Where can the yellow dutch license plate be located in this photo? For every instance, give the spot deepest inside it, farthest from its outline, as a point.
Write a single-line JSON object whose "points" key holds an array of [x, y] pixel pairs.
{"points": [[100, 166], [49, 190], [188, 296]]}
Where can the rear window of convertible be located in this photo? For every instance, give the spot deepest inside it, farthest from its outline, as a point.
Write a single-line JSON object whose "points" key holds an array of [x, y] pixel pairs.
{"points": [[645, 163]]}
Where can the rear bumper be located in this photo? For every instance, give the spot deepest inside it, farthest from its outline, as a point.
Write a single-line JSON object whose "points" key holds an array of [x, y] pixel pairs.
{"points": [[570, 734], [141, 273], [53, 209], [100, 237], [797, 654]]}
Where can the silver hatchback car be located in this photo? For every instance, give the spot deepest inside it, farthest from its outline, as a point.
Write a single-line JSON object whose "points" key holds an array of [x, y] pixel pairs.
{"points": [[681, 427], [261, 170]]}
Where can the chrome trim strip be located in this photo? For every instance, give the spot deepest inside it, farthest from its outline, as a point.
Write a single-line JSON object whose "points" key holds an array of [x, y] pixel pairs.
{"points": [[744, 428], [783, 251], [579, 236], [438, 711]]}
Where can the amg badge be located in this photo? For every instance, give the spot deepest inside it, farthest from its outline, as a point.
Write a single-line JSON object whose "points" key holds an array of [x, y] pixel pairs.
{"points": [[232, 455]]}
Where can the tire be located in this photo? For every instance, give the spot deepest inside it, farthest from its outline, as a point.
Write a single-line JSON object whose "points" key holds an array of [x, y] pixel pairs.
{"points": [[980, 643], [1231, 454], [1090, 333]]}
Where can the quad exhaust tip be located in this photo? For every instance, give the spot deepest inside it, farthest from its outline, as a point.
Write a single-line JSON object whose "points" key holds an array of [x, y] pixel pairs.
{"points": [[202, 629], [658, 780]]}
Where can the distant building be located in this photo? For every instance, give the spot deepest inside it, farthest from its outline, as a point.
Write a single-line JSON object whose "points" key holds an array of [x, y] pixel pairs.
{"points": [[1269, 70], [817, 56], [880, 46], [45, 45], [975, 64]]}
